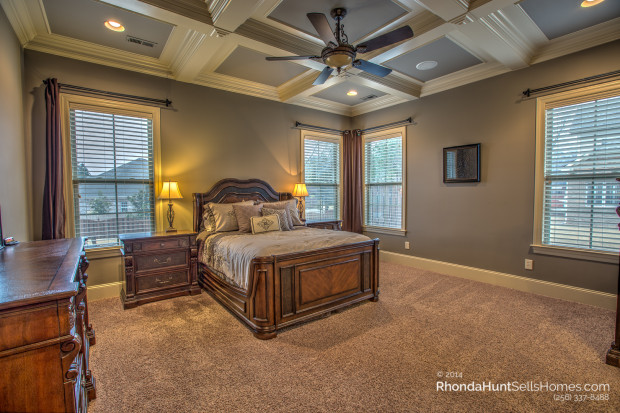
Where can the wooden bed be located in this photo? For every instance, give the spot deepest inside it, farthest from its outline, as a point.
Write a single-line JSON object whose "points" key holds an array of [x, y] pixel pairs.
{"points": [[289, 289]]}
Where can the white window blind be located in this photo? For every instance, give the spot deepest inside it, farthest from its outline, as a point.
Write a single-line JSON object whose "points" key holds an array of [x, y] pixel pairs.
{"points": [[582, 162], [322, 178], [383, 181], [112, 174]]}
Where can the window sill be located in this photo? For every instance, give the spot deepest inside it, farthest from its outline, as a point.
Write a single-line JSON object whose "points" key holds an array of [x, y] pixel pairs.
{"points": [[101, 253], [387, 231], [575, 253]]}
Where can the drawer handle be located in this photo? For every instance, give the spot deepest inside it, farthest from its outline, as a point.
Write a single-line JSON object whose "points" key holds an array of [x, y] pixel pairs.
{"points": [[167, 261], [164, 282], [162, 244]]}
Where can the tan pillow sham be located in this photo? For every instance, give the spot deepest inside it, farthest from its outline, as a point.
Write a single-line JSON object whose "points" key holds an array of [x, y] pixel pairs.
{"points": [[265, 224], [244, 213]]}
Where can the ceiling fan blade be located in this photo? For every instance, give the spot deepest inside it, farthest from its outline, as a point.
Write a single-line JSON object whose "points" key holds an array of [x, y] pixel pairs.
{"points": [[387, 39], [291, 57], [323, 76], [321, 25], [372, 68]]}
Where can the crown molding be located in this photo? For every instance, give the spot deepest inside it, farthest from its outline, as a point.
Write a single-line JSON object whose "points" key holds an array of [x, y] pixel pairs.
{"points": [[233, 84], [193, 9], [381, 102], [190, 44], [463, 77], [322, 105], [21, 20], [296, 86], [398, 85], [94, 53], [264, 33], [577, 41]]}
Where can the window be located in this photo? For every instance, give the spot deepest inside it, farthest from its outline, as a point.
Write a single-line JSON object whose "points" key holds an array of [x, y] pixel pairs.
{"points": [[112, 168], [578, 143], [384, 182], [321, 174]]}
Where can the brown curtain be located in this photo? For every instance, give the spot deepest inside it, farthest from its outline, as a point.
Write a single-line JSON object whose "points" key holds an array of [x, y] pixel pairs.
{"points": [[352, 181], [53, 198]]}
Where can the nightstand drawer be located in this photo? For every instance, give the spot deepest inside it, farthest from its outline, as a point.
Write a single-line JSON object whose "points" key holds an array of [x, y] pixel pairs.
{"points": [[163, 260], [150, 282], [165, 244]]}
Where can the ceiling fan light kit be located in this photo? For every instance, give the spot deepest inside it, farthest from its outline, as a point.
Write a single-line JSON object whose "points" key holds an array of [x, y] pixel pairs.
{"points": [[339, 55]]}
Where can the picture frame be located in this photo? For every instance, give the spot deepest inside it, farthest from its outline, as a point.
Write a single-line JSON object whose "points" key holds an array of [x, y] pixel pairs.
{"points": [[461, 163]]}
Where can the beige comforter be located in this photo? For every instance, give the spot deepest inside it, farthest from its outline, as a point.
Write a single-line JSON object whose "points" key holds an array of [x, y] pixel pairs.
{"points": [[229, 253]]}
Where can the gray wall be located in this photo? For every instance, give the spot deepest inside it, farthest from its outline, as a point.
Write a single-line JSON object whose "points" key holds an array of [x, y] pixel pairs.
{"points": [[488, 224], [13, 168], [209, 135]]}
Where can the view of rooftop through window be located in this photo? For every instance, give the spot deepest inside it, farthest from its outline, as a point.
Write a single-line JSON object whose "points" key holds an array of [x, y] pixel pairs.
{"points": [[582, 162], [112, 164]]}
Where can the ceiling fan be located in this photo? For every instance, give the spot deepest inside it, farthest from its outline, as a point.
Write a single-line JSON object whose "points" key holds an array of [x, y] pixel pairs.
{"points": [[339, 54]]}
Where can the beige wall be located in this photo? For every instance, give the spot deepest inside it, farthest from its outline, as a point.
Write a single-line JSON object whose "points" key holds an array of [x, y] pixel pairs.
{"points": [[13, 169], [208, 135], [489, 224]]}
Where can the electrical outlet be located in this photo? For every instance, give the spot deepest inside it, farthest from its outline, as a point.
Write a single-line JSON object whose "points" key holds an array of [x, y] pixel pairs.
{"points": [[406, 245], [529, 264]]}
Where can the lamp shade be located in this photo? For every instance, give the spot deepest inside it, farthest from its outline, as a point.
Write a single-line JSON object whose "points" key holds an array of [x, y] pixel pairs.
{"points": [[300, 190], [170, 190]]}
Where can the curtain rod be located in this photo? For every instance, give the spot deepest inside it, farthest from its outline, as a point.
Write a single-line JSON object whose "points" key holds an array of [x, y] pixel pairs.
{"points": [[604, 76], [299, 125], [160, 102], [408, 121]]}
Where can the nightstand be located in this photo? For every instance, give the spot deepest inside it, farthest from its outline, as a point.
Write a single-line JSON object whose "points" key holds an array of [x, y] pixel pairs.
{"points": [[336, 224], [158, 265]]}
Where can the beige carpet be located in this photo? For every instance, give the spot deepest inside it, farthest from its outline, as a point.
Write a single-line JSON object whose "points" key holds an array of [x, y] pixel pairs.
{"points": [[189, 354]]}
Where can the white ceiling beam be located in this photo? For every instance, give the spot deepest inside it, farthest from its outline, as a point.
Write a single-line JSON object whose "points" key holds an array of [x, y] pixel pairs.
{"points": [[228, 15]]}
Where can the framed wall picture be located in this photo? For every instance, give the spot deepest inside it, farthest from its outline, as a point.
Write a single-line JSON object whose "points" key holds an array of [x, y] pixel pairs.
{"points": [[461, 163]]}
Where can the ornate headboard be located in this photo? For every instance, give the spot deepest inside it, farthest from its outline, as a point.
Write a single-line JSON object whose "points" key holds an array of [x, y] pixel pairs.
{"points": [[231, 190]]}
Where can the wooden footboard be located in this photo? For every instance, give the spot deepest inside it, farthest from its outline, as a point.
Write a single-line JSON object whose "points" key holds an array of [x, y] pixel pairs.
{"points": [[289, 289]]}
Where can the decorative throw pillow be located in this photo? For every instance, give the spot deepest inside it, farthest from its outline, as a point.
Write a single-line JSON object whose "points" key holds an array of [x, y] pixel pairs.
{"points": [[221, 217], [244, 213], [265, 224], [291, 206], [283, 216]]}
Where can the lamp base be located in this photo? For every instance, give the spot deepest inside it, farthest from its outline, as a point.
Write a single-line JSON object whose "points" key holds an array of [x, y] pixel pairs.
{"points": [[171, 229]]}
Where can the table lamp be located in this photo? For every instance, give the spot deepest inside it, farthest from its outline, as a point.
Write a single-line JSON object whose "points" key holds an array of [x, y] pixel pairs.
{"points": [[300, 191], [170, 191]]}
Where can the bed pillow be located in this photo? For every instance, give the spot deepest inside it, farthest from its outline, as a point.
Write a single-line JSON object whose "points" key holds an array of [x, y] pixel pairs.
{"points": [[221, 217], [265, 224], [244, 213], [283, 216], [290, 205]]}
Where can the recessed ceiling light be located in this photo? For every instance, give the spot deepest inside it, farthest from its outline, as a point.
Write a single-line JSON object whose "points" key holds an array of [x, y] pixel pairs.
{"points": [[352, 92], [590, 3], [114, 25], [427, 65]]}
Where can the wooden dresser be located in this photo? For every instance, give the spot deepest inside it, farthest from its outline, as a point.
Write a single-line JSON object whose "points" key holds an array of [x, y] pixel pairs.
{"points": [[159, 265], [45, 335]]}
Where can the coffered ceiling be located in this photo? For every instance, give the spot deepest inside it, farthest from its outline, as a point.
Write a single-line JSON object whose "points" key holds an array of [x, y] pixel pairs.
{"points": [[223, 43]]}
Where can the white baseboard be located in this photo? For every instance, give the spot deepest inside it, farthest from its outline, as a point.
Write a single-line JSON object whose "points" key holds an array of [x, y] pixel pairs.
{"points": [[101, 291], [546, 288]]}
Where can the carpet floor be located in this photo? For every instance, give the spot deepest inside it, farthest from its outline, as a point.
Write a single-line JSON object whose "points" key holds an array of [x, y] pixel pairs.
{"points": [[189, 354]]}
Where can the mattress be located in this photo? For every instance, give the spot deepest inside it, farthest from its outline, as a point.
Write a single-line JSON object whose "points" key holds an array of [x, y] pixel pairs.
{"points": [[229, 254]]}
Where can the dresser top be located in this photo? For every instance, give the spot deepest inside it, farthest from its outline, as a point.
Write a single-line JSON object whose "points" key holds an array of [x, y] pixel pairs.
{"points": [[143, 235], [38, 271]]}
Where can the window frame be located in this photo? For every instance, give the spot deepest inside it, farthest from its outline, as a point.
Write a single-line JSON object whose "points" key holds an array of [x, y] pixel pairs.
{"points": [[386, 134], [566, 98], [327, 137], [70, 101]]}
